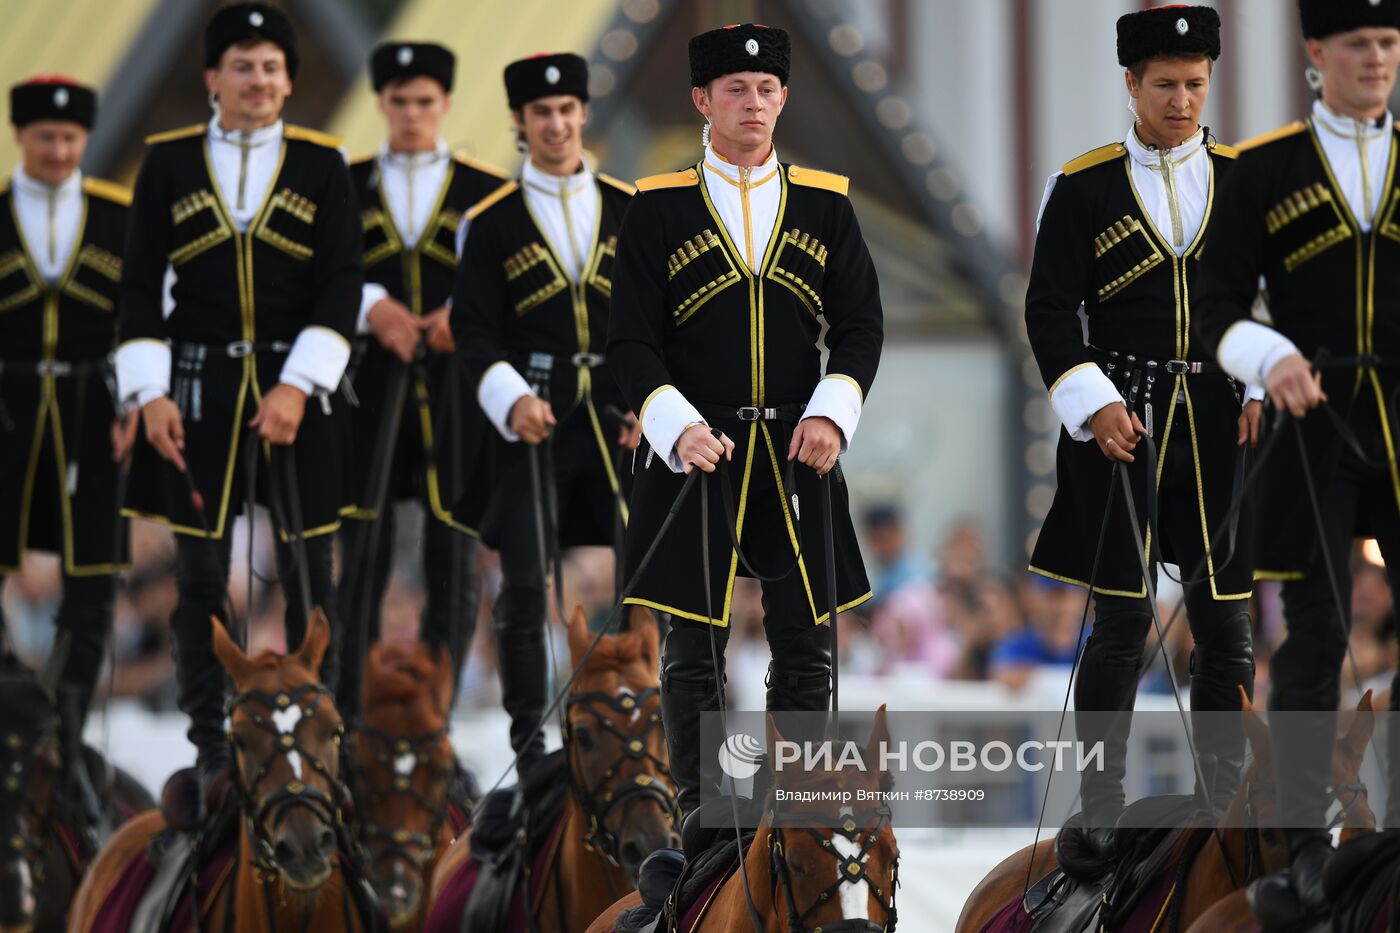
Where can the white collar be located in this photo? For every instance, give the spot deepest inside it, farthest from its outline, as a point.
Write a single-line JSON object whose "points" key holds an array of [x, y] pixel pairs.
{"points": [[1350, 127], [1151, 156], [407, 160], [537, 178], [70, 186], [723, 167], [258, 137]]}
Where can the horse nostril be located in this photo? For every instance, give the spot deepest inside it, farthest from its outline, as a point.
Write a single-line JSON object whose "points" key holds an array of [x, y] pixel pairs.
{"points": [[327, 840], [631, 854], [284, 853]]}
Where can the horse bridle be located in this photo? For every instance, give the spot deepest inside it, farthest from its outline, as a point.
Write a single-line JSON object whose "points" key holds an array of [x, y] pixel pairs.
{"points": [[850, 869], [293, 793], [405, 845], [599, 801], [18, 758]]}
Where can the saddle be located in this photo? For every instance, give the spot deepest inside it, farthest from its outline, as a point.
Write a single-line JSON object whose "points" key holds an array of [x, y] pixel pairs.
{"points": [[511, 826], [1086, 894]]}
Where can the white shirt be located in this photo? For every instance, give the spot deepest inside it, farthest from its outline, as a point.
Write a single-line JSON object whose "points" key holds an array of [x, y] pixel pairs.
{"points": [[49, 216], [1358, 152], [1174, 185], [566, 209], [411, 183], [245, 167], [746, 200]]}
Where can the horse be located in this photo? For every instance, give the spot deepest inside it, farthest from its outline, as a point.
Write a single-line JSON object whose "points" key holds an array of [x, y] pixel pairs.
{"points": [[293, 865], [619, 806], [1244, 848], [400, 771], [802, 874], [46, 853]]}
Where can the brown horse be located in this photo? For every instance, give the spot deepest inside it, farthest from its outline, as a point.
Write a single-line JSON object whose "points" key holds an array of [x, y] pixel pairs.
{"points": [[801, 874], [289, 872], [1247, 847], [45, 857], [401, 770], [621, 806]]}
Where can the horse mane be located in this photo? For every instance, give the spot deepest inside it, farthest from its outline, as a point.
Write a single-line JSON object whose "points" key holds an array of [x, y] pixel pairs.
{"points": [[398, 673]]}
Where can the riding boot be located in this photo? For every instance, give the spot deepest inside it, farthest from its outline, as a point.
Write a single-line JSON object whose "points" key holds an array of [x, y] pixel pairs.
{"points": [[1220, 736], [1392, 736], [524, 668], [1104, 691], [81, 790], [86, 615], [689, 687]]}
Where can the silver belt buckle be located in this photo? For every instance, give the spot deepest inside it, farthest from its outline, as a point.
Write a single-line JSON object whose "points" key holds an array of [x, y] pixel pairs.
{"points": [[239, 349], [587, 360], [749, 413], [1179, 367]]}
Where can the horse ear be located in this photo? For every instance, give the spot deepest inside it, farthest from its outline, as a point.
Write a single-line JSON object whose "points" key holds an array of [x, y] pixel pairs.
{"points": [[1360, 730], [227, 651], [773, 738], [645, 627], [879, 740], [578, 634], [1257, 731], [442, 680], [313, 646]]}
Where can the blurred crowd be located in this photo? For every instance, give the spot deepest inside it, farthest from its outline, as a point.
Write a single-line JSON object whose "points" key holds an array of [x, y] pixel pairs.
{"points": [[946, 615]]}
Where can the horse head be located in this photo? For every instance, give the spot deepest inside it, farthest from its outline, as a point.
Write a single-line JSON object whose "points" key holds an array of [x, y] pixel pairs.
{"points": [[286, 732], [618, 764], [402, 767], [835, 863], [30, 761]]}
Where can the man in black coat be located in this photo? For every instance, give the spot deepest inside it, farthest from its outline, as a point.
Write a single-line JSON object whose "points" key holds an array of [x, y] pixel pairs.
{"points": [[726, 271], [237, 304], [1121, 233], [1311, 211]]}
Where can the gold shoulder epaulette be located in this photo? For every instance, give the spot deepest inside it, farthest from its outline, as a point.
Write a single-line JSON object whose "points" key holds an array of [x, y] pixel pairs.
{"points": [[1292, 129], [1094, 157], [463, 159], [682, 179], [1229, 152], [479, 208], [312, 136], [617, 183], [361, 160], [812, 178], [183, 132], [109, 190]]}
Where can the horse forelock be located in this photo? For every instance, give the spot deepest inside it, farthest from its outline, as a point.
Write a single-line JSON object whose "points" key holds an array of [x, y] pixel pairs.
{"points": [[400, 674], [616, 653]]}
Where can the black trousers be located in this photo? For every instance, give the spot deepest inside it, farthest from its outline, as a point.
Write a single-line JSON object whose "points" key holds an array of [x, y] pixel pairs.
{"points": [[201, 572], [1307, 668], [1222, 660], [453, 594], [85, 613]]}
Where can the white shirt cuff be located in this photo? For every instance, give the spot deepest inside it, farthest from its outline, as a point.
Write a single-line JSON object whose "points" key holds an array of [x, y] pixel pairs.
{"points": [[839, 398], [148, 395], [370, 295], [1079, 393], [143, 370], [317, 360], [500, 388], [1250, 349], [1254, 393], [665, 416]]}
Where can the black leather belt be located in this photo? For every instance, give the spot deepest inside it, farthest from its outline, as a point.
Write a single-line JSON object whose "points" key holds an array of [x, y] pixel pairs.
{"points": [[1128, 361], [787, 414]]}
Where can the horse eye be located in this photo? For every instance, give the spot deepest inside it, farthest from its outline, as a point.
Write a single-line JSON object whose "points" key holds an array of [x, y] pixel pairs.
{"points": [[584, 738]]}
